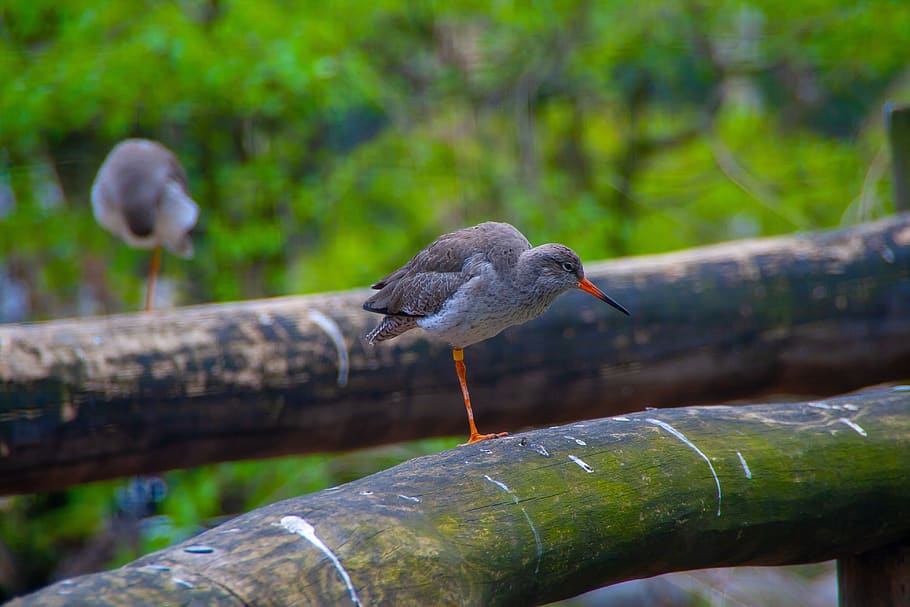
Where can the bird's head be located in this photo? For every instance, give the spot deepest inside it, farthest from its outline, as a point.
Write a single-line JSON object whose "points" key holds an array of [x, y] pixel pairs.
{"points": [[559, 269]]}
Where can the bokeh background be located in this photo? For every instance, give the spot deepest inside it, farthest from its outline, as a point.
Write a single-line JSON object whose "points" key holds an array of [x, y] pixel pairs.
{"points": [[326, 142]]}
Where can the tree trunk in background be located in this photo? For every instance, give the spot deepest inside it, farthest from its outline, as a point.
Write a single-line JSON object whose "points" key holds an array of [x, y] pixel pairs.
{"points": [[94, 398], [554, 513]]}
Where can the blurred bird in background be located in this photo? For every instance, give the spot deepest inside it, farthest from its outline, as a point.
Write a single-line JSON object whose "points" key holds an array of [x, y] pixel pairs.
{"points": [[141, 195]]}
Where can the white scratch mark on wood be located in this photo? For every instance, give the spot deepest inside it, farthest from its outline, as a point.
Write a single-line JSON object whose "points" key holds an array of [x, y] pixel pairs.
{"points": [[65, 591], [689, 443], [409, 498], [830, 407], [901, 388], [622, 418], [501, 485], [581, 464], [485, 451], [745, 466], [536, 538], [301, 527], [334, 332], [181, 582], [854, 425], [365, 493], [539, 449], [577, 441], [537, 542]]}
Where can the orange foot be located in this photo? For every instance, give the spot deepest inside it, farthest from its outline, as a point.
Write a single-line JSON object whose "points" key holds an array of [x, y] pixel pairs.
{"points": [[476, 438]]}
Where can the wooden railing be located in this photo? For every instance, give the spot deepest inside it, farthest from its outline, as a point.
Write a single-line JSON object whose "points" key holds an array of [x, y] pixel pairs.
{"points": [[552, 513], [95, 398]]}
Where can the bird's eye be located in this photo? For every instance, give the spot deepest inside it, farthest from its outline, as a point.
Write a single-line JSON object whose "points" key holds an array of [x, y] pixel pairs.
{"points": [[568, 266]]}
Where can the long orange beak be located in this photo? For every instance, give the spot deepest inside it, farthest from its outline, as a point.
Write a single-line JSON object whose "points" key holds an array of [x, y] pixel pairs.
{"points": [[588, 287]]}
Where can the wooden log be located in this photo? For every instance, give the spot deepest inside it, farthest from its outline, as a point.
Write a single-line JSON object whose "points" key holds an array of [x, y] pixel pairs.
{"points": [[553, 513], [94, 398], [877, 578]]}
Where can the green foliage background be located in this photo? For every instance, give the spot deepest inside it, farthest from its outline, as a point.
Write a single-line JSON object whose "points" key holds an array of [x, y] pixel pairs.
{"points": [[327, 141]]}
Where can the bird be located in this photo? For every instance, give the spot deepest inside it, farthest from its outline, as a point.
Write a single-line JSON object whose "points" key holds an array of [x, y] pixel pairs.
{"points": [[468, 285], [140, 194]]}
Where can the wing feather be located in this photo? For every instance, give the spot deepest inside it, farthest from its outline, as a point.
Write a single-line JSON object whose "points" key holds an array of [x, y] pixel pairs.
{"points": [[422, 286]]}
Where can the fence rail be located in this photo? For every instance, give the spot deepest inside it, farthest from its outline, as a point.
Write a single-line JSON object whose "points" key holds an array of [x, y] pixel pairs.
{"points": [[552, 513]]}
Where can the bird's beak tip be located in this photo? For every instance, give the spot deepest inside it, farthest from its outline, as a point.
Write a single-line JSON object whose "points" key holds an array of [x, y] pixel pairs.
{"points": [[589, 287]]}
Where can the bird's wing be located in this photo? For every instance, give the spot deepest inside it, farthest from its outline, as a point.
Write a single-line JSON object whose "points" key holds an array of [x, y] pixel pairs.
{"points": [[422, 286], [415, 294], [496, 242], [177, 218], [176, 172], [443, 255]]}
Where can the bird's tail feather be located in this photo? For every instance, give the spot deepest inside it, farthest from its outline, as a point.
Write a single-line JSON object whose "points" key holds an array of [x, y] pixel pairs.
{"points": [[391, 326]]}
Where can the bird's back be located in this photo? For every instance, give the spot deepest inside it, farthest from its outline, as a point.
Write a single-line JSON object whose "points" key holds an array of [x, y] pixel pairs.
{"points": [[421, 287]]}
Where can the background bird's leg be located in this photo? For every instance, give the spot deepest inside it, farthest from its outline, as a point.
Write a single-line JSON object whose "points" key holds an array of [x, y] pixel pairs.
{"points": [[458, 355], [153, 277]]}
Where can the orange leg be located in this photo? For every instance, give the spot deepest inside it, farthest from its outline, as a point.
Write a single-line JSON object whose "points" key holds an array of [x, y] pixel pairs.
{"points": [[458, 355], [153, 277]]}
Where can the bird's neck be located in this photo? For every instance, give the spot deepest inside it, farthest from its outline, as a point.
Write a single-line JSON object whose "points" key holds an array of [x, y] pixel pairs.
{"points": [[527, 282]]}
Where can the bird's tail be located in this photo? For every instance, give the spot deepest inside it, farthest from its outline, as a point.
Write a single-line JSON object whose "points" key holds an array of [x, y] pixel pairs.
{"points": [[391, 326]]}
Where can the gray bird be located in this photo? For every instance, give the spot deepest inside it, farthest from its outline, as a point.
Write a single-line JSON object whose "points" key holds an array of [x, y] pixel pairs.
{"points": [[469, 285], [140, 194]]}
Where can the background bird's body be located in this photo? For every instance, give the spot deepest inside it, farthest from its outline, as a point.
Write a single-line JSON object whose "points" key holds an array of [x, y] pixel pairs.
{"points": [[469, 285], [140, 194]]}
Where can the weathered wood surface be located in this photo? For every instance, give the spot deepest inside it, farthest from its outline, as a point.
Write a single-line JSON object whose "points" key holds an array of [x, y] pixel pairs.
{"points": [[552, 513], [94, 398], [878, 578]]}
